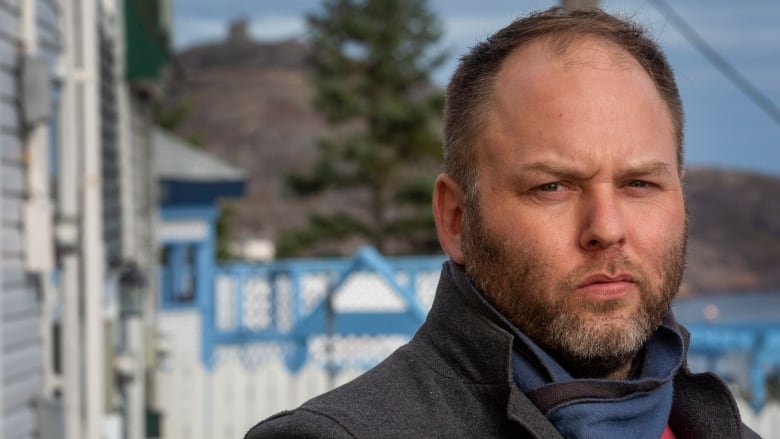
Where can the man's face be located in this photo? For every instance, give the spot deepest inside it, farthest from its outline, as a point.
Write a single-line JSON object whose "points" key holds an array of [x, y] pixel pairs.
{"points": [[577, 229]]}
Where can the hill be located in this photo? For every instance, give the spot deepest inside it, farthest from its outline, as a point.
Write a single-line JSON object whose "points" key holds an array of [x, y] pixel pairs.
{"points": [[249, 103], [734, 231]]}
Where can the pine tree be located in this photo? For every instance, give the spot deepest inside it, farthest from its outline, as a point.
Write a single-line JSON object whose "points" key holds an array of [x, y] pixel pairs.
{"points": [[372, 78]]}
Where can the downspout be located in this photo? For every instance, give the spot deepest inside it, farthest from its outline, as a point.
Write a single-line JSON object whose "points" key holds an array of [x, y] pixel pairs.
{"points": [[92, 248], [67, 230]]}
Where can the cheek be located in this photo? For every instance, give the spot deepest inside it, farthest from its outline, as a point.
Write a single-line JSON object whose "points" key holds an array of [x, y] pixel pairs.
{"points": [[548, 252], [661, 221], [550, 238], [672, 223], [658, 241], [553, 234]]}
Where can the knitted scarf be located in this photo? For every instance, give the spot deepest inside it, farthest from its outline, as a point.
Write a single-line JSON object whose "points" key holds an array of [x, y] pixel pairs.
{"points": [[593, 408], [586, 408]]}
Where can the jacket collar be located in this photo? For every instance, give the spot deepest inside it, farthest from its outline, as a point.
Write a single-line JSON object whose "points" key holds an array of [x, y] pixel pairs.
{"points": [[465, 340], [471, 343]]}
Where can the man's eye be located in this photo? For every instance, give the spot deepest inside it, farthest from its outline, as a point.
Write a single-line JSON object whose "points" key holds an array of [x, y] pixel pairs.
{"points": [[550, 187], [638, 184]]}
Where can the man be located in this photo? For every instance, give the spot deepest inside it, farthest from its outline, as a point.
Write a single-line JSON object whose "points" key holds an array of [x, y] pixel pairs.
{"points": [[561, 209]]}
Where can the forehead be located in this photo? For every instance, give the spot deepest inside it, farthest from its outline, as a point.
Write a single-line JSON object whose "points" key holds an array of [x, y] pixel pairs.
{"points": [[591, 95], [532, 64]]}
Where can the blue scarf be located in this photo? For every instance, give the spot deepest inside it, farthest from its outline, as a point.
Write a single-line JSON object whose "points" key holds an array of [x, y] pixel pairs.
{"points": [[599, 408]]}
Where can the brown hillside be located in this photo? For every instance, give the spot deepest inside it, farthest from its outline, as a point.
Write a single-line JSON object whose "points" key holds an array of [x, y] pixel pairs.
{"points": [[250, 104], [734, 231]]}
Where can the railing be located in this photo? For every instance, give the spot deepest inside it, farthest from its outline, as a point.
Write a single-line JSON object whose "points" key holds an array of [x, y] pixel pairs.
{"points": [[302, 304], [353, 312], [758, 343]]}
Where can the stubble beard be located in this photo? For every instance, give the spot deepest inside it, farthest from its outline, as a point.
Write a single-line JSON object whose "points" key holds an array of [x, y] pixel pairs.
{"points": [[593, 345]]}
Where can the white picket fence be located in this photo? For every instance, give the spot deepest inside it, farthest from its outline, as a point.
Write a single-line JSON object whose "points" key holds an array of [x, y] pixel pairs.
{"points": [[226, 402], [766, 423]]}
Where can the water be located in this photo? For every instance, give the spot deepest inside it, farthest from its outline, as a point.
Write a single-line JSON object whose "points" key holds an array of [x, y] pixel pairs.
{"points": [[735, 308], [755, 311]]}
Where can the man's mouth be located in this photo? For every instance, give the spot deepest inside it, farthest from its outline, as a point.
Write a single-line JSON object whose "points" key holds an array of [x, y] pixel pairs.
{"points": [[606, 279], [607, 287]]}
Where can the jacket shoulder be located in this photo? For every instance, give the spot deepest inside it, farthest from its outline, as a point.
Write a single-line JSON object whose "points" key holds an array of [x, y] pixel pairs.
{"points": [[704, 407], [364, 407], [302, 423]]}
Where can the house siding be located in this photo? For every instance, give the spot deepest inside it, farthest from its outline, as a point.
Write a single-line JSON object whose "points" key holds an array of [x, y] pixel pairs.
{"points": [[20, 346], [22, 350]]}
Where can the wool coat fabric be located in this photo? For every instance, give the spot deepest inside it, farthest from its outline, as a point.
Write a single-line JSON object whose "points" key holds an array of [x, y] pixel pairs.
{"points": [[454, 380]]}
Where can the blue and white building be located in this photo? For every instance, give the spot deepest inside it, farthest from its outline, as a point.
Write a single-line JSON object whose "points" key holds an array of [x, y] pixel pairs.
{"points": [[77, 229]]}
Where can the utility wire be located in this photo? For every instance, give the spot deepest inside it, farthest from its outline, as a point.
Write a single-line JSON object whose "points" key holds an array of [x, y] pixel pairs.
{"points": [[720, 63]]}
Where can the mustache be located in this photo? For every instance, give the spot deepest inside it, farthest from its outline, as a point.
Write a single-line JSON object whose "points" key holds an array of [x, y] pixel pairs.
{"points": [[613, 264]]}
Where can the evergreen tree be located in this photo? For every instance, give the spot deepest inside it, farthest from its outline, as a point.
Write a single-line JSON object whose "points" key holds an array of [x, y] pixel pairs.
{"points": [[223, 228], [372, 78]]}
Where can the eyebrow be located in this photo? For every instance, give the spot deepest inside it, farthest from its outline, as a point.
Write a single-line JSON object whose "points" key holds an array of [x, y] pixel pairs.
{"points": [[649, 168], [555, 170]]}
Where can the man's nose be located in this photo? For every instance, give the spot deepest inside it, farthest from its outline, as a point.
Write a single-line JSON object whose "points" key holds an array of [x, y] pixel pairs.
{"points": [[603, 221]]}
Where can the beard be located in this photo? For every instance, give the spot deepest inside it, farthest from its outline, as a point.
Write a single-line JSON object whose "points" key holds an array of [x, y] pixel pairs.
{"points": [[524, 291]]}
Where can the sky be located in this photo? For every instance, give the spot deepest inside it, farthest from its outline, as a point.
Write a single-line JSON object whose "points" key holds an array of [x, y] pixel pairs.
{"points": [[724, 127]]}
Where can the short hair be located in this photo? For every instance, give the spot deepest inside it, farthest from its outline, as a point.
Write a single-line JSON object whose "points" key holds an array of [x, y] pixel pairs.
{"points": [[469, 92]]}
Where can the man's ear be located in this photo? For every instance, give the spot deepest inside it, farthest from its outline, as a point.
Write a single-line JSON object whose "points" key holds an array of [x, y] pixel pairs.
{"points": [[448, 205]]}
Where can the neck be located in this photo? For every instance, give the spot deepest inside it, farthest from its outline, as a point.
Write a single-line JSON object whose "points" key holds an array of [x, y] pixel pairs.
{"points": [[599, 369], [622, 373]]}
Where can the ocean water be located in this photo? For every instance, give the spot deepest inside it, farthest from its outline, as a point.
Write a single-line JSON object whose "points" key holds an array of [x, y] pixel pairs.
{"points": [[751, 309], [731, 308]]}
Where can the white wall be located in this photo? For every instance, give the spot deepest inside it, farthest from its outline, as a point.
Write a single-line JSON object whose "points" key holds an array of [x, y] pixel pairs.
{"points": [[251, 383], [766, 423], [242, 389]]}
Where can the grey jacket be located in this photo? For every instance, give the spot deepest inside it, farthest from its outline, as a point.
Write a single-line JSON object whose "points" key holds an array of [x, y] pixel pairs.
{"points": [[454, 380]]}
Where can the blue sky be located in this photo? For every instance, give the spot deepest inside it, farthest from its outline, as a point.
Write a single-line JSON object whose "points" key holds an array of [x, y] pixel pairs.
{"points": [[724, 128]]}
